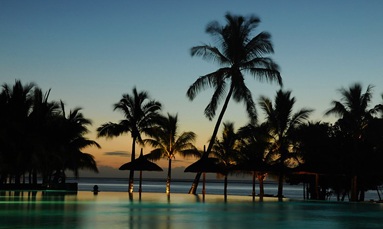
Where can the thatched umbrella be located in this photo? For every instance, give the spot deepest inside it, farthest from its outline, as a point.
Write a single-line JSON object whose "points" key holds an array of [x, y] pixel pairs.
{"points": [[204, 165], [140, 164]]}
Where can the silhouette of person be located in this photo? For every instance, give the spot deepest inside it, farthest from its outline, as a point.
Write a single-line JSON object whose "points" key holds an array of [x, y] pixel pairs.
{"points": [[95, 190]]}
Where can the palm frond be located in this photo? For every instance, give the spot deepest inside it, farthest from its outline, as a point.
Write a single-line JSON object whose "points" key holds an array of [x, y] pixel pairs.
{"points": [[209, 80], [209, 53], [110, 130]]}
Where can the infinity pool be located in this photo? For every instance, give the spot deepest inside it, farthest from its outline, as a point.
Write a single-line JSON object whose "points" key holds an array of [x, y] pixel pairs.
{"points": [[116, 210]]}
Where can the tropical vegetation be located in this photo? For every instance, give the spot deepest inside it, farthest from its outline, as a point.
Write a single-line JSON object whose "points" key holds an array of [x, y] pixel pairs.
{"points": [[37, 138]]}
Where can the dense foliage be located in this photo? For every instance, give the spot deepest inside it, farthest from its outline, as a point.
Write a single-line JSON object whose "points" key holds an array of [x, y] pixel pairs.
{"points": [[37, 138]]}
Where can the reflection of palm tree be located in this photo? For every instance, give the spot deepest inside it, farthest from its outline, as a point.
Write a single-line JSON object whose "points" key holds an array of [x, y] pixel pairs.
{"points": [[281, 123], [354, 118], [227, 149], [140, 114], [237, 52], [168, 143]]}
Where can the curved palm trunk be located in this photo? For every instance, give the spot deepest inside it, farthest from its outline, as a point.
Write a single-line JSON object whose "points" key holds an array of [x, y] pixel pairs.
{"points": [[131, 174], [194, 186], [169, 177]]}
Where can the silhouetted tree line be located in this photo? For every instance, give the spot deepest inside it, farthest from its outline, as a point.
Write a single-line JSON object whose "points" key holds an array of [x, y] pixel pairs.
{"points": [[38, 137], [343, 157]]}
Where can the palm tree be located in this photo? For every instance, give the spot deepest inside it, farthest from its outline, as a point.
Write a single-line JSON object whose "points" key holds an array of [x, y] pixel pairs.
{"points": [[140, 113], [354, 116], [72, 130], [282, 122], [226, 149], [42, 136], [167, 143], [16, 103], [255, 140], [239, 52]]}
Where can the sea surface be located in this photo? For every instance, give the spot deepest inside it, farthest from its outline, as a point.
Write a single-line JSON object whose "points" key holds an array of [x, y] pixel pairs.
{"points": [[214, 187]]}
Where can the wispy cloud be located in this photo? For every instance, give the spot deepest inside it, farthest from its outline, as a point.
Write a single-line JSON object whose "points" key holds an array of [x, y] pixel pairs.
{"points": [[117, 153]]}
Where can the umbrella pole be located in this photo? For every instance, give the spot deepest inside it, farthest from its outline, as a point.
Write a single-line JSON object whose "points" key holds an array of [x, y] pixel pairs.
{"points": [[203, 187], [253, 192]]}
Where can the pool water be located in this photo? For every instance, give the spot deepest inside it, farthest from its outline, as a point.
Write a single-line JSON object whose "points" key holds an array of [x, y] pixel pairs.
{"points": [[156, 210]]}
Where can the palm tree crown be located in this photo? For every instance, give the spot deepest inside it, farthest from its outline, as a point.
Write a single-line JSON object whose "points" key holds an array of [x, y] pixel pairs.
{"points": [[167, 142], [227, 149], [238, 51], [140, 114], [353, 108]]}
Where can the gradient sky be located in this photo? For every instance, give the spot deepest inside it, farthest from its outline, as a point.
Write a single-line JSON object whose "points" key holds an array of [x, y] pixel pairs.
{"points": [[91, 52]]}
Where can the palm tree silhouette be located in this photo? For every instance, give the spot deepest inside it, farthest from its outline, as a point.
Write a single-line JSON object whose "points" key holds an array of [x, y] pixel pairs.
{"points": [[167, 143], [238, 52], [16, 102], [43, 140], [39, 138], [227, 149], [255, 140], [140, 113], [282, 122], [354, 116], [72, 131]]}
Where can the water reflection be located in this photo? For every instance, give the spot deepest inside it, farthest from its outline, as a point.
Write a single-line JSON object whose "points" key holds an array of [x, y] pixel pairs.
{"points": [[119, 210]]}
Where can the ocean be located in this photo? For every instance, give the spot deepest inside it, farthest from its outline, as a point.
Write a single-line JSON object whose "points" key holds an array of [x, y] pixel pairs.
{"points": [[215, 187]]}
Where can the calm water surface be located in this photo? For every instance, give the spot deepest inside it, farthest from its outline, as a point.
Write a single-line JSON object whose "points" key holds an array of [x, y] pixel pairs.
{"points": [[156, 210]]}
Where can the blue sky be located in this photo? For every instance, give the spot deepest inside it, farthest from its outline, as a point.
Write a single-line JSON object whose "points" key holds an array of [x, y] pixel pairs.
{"points": [[91, 52]]}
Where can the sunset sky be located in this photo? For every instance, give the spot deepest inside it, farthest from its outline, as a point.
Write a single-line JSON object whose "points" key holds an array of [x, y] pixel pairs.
{"points": [[89, 53]]}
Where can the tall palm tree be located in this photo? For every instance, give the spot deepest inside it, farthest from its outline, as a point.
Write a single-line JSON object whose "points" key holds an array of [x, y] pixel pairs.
{"points": [[72, 131], [140, 113], [167, 143], [239, 52], [17, 103], [227, 149], [282, 122], [42, 135], [354, 116]]}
